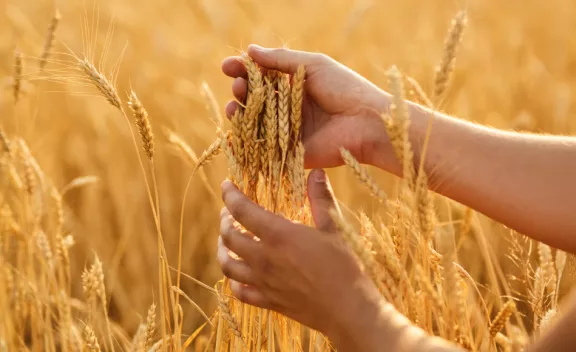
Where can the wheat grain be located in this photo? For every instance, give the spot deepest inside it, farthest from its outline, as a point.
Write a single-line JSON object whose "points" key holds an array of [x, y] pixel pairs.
{"points": [[284, 114], [139, 340], [18, 68], [254, 74], [296, 98], [101, 83], [209, 154], [362, 175], [400, 116], [271, 120], [5, 142], [451, 45], [45, 250], [49, 41], [547, 265], [143, 123], [150, 325], [297, 177], [501, 318], [90, 339], [224, 305]]}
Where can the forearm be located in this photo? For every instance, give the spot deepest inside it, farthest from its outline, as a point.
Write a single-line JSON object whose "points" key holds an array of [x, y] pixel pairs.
{"points": [[382, 328], [523, 181], [560, 336]]}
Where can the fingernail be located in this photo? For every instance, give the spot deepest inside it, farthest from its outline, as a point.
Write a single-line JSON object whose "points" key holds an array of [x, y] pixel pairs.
{"points": [[226, 184], [319, 176], [255, 47]]}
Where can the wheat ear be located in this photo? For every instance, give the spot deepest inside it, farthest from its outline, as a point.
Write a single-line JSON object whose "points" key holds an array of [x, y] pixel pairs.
{"points": [[49, 41], [143, 123], [101, 83], [296, 99], [501, 318], [362, 175], [17, 84], [451, 45]]}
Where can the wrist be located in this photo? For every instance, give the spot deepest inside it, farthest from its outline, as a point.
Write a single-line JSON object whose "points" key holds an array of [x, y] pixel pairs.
{"points": [[381, 153], [354, 324]]}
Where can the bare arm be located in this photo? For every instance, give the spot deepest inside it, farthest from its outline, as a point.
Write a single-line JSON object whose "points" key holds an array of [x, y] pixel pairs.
{"points": [[521, 180], [560, 337], [379, 327]]}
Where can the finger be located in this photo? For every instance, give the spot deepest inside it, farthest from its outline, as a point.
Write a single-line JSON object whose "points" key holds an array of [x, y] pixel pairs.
{"points": [[230, 108], [243, 244], [233, 67], [250, 295], [281, 59], [322, 200], [233, 268], [254, 218], [239, 88]]}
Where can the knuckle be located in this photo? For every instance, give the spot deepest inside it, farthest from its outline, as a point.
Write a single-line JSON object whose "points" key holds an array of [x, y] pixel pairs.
{"points": [[265, 268], [224, 213], [322, 58], [235, 205], [281, 51], [226, 233], [226, 267], [226, 238], [240, 294]]}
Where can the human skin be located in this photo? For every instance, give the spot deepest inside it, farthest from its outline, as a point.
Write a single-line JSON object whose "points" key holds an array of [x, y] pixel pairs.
{"points": [[521, 180]]}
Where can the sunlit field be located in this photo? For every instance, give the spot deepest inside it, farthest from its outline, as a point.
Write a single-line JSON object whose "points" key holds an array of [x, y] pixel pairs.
{"points": [[95, 227]]}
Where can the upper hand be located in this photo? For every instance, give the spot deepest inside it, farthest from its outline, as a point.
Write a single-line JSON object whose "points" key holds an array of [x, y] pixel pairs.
{"points": [[339, 108]]}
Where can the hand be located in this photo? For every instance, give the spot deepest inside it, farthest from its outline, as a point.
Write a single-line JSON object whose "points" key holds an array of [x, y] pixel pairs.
{"points": [[296, 270], [339, 108]]}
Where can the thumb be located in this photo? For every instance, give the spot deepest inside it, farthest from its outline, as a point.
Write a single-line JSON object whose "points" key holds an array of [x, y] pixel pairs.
{"points": [[280, 59], [321, 200]]}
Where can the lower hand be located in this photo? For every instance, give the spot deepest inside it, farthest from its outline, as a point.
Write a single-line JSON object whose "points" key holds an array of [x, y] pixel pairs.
{"points": [[305, 273]]}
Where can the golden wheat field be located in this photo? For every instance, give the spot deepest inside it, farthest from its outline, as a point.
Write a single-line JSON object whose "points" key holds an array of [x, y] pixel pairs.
{"points": [[82, 203]]}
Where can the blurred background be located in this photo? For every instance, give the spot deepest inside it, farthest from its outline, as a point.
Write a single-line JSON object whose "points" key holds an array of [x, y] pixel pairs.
{"points": [[516, 70]]}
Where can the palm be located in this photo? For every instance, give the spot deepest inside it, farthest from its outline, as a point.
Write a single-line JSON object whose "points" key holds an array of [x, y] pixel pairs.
{"points": [[338, 116]]}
